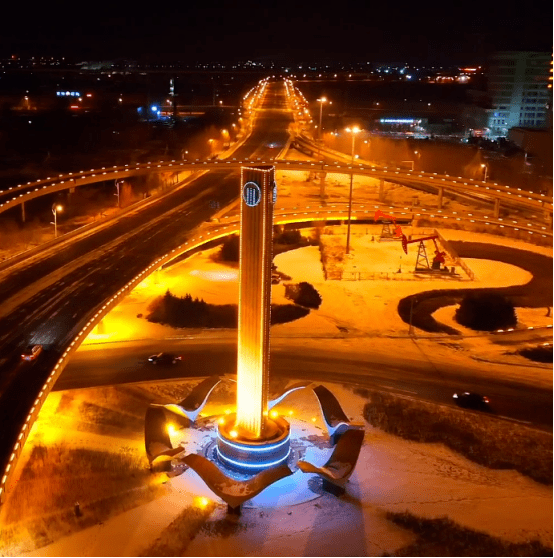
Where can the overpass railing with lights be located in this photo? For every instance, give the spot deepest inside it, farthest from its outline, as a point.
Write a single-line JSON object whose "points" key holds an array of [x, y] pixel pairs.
{"points": [[24, 192]]}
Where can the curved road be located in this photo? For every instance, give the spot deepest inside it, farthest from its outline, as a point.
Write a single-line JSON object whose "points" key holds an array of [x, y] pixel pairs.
{"points": [[537, 293], [118, 363]]}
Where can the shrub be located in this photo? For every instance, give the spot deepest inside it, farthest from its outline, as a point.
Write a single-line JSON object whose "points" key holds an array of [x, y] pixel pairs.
{"points": [[230, 249], [180, 312], [303, 294], [443, 537], [486, 312], [189, 312], [482, 439], [282, 313], [538, 354], [289, 237]]}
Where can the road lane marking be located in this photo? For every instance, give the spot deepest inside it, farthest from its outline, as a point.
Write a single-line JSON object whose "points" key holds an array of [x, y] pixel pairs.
{"points": [[515, 420]]}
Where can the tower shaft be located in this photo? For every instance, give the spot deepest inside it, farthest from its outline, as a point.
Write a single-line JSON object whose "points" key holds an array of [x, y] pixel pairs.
{"points": [[256, 255]]}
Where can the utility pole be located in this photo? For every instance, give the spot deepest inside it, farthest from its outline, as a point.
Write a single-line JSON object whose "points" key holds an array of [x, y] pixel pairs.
{"points": [[354, 130], [117, 185]]}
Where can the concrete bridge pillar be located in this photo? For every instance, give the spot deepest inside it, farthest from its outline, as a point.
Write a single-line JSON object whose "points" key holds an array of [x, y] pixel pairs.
{"points": [[23, 212], [381, 190], [322, 185], [497, 208], [440, 194]]}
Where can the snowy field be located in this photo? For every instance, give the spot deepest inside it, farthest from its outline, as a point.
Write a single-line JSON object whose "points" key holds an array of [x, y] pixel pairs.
{"points": [[364, 311], [391, 474]]}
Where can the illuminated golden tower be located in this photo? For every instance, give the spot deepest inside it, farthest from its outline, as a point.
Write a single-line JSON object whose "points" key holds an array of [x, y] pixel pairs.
{"points": [[251, 440], [256, 256]]}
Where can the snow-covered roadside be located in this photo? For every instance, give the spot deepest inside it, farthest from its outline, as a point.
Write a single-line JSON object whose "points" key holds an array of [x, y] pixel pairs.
{"points": [[391, 474]]}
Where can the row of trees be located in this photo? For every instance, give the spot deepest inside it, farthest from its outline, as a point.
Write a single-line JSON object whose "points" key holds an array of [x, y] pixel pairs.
{"points": [[194, 312]]}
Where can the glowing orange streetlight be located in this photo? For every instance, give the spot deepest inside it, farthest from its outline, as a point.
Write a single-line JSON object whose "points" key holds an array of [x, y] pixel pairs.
{"points": [[354, 130], [486, 168], [55, 210]]}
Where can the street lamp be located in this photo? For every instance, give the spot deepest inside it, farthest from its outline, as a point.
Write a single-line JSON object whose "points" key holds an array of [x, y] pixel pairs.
{"points": [[117, 185], [354, 130], [55, 209], [226, 136], [484, 166], [321, 101]]}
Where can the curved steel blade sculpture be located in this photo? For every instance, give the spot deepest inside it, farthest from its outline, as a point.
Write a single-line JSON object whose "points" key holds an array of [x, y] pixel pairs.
{"points": [[191, 406], [340, 465], [194, 402], [289, 390], [156, 437], [335, 418], [231, 491]]}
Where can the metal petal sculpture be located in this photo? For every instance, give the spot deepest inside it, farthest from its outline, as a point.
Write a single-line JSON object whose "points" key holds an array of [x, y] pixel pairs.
{"points": [[191, 406], [231, 491], [340, 465], [289, 390], [335, 418], [156, 437]]}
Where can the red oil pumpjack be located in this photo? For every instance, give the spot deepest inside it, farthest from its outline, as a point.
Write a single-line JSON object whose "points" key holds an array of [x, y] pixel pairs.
{"points": [[386, 233], [422, 253]]}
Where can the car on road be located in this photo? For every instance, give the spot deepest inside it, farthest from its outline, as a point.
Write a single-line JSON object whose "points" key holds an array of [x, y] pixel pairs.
{"points": [[470, 400], [31, 352], [164, 358]]}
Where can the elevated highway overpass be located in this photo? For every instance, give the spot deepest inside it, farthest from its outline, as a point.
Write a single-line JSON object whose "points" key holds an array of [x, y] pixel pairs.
{"points": [[494, 193]]}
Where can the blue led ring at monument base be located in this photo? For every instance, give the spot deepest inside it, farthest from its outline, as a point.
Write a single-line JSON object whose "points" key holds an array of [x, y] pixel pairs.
{"points": [[253, 456]]}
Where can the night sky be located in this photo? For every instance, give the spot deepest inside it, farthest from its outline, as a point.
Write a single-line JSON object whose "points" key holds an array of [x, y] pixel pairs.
{"points": [[457, 32]]}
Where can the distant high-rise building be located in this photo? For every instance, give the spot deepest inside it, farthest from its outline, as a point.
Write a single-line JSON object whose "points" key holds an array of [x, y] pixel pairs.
{"points": [[520, 87]]}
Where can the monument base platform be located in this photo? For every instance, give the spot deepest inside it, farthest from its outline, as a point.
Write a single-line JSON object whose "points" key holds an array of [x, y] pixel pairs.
{"points": [[242, 453]]}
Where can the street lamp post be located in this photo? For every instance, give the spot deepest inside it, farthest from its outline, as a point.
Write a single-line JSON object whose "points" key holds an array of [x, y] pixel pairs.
{"points": [[320, 101], [484, 166], [354, 130], [117, 185], [55, 209]]}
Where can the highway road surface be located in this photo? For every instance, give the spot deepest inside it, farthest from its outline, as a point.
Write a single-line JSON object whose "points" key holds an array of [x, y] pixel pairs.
{"points": [[49, 300], [117, 363]]}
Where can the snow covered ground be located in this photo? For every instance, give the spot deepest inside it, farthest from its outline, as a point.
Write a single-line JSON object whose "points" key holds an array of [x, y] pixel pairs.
{"points": [[364, 311], [391, 474]]}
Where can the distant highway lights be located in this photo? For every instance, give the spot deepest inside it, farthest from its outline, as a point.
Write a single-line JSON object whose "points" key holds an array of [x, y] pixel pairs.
{"points": [[354, 130], [485, 168], [55, 210]]}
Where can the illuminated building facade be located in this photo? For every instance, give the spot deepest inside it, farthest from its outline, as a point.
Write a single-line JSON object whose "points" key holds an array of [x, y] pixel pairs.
{"points": [[521, 89], [251, 439]]}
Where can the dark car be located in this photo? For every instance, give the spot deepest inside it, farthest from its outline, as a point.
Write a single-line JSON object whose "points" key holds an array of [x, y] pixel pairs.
{"points": [[164, 358], [32, 352], [472, 401]]}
